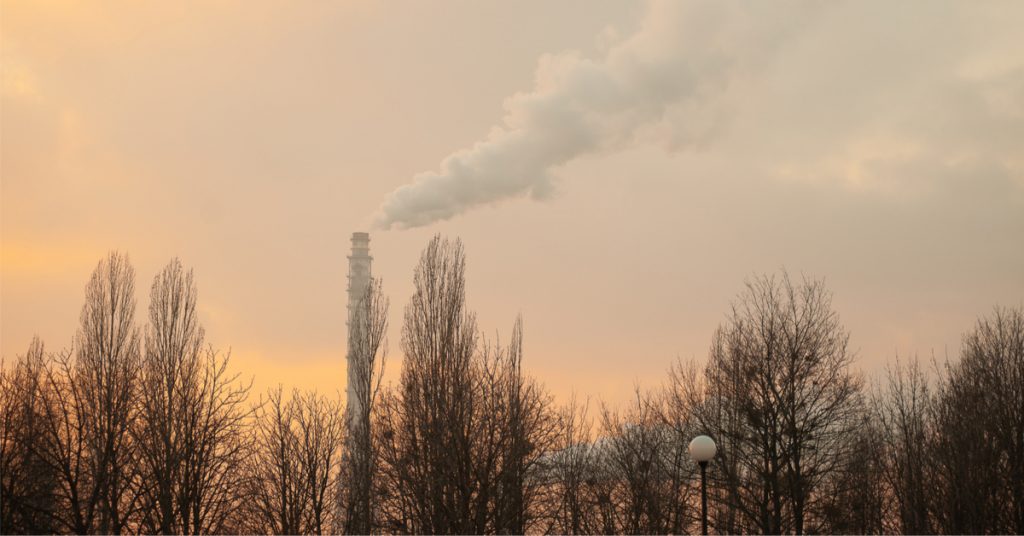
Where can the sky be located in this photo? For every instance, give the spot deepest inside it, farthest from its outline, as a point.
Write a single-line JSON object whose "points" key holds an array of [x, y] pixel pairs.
{"points": [[616, 170]]}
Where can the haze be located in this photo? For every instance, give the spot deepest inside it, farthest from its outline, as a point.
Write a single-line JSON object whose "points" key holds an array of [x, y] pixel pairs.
{"points": [[615, 170]]}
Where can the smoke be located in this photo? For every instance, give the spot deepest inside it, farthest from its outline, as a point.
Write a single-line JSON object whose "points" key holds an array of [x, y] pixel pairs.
{"points": [[660, 85]]}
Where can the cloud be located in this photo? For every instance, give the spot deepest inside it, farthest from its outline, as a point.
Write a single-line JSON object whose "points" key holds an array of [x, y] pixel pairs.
{"points": [[661, 82], [854, 93], [918, 101]]}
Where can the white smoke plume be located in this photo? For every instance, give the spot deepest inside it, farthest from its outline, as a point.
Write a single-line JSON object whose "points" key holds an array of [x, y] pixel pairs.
{"points": [[662, 83]]}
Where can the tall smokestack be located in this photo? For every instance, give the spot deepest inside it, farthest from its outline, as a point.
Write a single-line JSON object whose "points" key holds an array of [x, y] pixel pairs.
{"points": [[359, 265]]}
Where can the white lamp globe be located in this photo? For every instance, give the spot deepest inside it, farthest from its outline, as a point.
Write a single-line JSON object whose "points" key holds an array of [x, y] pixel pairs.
{"points": [[702, 448]]}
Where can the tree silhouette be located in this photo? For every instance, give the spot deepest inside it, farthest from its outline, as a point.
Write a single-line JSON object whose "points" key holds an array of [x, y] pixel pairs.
{"points": [[151, 433]]}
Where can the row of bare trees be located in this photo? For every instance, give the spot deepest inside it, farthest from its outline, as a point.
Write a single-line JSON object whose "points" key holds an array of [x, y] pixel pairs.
{"points": [[952, 442], [147, 431]]}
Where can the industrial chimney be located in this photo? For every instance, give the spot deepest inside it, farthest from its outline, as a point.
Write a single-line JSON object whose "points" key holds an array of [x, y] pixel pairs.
{"points": [[359, 263]]}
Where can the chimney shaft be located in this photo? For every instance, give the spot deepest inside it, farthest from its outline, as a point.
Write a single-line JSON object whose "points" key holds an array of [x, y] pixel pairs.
{"points": [[359, 266]]}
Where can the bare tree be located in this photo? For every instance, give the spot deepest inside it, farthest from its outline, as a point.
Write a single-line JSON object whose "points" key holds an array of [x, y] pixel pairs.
{"points": [[902, 412], [322, 432], [275, 485], [579, 479], [677, 409], [293, 465], [172, 366], [94, 403], [107, 369], [516, 429], [190, 428], [427, 432], [9, 455], [704, 394], [367, 353], [644, 468], [853, 498], [63, 446], [978, 452], [88, 405], [781, 366], [567, 472], [464, 431], [27, 482]]}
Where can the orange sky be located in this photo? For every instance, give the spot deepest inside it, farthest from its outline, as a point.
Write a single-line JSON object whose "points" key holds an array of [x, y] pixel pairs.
{"points": [[877, 146]]}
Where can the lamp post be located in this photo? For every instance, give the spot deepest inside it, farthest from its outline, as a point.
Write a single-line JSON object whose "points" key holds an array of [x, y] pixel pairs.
{"points": [[702, 449]]}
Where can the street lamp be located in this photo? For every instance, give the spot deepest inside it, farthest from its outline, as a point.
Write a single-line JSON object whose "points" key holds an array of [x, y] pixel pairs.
{"points": [[702, 449]]}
